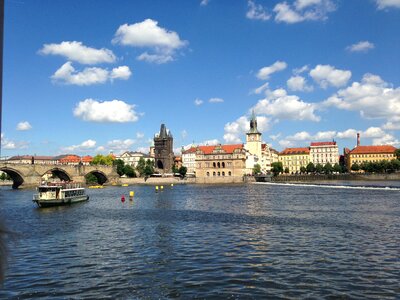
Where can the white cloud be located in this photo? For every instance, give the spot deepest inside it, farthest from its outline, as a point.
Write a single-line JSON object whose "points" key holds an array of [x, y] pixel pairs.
{"points": [[326, 75], [286, 143], [204, 2], [75, 51], [147, 34], [386, 139], [347, 134], [67, 74], [286, 107], [123, 145], [392, 126], [23, 126], [372, 97], [256, 11], [122, 72], [108, 111], [139, 135], [198, 102], [260, 89], [160, 58], [377, 135], [382, 4], [303, 10], [216, 100], [265, 72], [184, 134], [301, 70], [211, 142], [7, 144], [362, 46], [235, 130], [298, 83], [84, 146], [275, 137]]}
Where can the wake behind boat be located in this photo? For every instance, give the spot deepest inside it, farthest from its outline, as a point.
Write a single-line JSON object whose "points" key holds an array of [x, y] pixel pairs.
{"points": [[59, 193]]}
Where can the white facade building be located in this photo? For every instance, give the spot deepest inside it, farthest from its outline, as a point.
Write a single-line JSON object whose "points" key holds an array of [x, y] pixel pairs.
{"points": [[189, 159], [324, 152], [132, 158]]}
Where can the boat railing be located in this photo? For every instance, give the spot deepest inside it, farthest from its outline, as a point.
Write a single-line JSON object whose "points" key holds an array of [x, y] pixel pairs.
{"points": [[64, 185]]}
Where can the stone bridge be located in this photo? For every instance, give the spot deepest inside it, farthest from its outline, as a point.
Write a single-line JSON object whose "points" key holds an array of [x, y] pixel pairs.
{"points": [[31, 175]]}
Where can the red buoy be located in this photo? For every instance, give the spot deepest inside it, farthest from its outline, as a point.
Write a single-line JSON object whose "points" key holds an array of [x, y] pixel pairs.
{"points": [[122, 198]]}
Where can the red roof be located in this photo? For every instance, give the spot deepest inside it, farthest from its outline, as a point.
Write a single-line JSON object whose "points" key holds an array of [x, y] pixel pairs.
{"points": [[315, 144], [87, 158], [227, 148], [373, 149], [70, 158], [294, 151], [190, 150]]}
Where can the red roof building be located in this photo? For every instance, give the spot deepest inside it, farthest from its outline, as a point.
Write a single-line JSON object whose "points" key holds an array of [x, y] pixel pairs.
{"points": [[365, 154]]}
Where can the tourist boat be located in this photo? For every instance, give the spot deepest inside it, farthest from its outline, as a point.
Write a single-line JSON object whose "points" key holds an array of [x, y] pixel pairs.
{"points": [[59, 193]]}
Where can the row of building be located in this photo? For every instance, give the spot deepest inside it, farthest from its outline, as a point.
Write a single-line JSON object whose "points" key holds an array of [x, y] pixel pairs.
{"points": [[234, 160], [240, 159]]}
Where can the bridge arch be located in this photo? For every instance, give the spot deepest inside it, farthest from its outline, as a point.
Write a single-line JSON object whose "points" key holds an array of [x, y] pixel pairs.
{"points": [[101, 177], [15, 175], [60, 173]]}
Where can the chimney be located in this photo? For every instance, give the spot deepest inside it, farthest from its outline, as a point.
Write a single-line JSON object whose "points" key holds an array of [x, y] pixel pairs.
{"points": [[358, 139]]}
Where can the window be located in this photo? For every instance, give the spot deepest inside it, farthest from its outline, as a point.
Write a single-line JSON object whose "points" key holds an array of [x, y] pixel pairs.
{"points": [[223, 173], [213, 173], [208, 174]]}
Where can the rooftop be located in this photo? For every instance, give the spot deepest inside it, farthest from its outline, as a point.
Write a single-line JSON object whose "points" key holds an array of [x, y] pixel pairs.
{"points": [[373, 149], [294, 151]]}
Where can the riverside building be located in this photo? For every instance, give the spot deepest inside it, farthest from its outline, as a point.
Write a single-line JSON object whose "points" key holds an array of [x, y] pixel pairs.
{"points": [[294, 159], [256, 151], [220, 164], [361, 154], [324, 152]]}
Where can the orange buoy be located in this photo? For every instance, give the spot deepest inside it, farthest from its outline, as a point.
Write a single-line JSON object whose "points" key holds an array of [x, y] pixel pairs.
{"points": [[122, 198]]}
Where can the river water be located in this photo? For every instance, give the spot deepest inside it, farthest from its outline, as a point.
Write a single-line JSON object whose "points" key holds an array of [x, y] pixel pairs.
{"points": [[200, 241]]}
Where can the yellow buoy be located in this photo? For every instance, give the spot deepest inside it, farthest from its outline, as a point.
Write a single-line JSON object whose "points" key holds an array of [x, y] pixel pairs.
{"points": [[156, 188], [162, 187], [172, 184], [131, 193]]}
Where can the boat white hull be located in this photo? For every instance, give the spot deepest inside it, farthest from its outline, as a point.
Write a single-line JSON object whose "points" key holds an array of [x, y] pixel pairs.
{"points": [[59, 202]]}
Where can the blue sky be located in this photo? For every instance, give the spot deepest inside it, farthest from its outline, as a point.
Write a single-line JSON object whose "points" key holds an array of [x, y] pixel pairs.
{"points": [[90, 77]]}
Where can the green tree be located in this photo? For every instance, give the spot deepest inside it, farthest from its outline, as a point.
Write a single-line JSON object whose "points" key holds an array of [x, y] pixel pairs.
{"points": [[3, 176], [328, 168], [120, 166], [397, 153], [395, 164], [103, 160], [140, 166], [286, 170], [319, 168], [129, 171], [276, 168], [303, 169], [256, 169], [149, 167], [182, 170], [91, 179], [337, 168], [310, 168], [175, 169], [355, 167]]}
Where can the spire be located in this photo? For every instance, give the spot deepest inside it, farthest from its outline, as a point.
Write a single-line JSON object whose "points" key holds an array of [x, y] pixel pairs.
{"points": [[163, 131], [253, 123]]}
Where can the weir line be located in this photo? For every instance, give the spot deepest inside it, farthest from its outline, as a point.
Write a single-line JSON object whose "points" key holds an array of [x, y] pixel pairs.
{"points": [[384, 188]]}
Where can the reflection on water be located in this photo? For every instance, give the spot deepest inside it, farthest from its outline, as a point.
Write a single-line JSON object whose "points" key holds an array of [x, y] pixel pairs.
{"points": [[206, 241]]}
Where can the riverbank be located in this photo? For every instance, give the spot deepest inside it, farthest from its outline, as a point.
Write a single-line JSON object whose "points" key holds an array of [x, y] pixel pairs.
{"points": [[335, 177]]}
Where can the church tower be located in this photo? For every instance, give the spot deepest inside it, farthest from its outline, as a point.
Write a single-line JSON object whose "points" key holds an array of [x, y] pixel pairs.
{"points": [[163, 150], [253, 145]]}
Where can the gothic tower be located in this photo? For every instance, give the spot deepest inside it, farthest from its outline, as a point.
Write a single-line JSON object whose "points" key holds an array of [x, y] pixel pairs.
{"points": [[253, 144], [163, 150]]}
